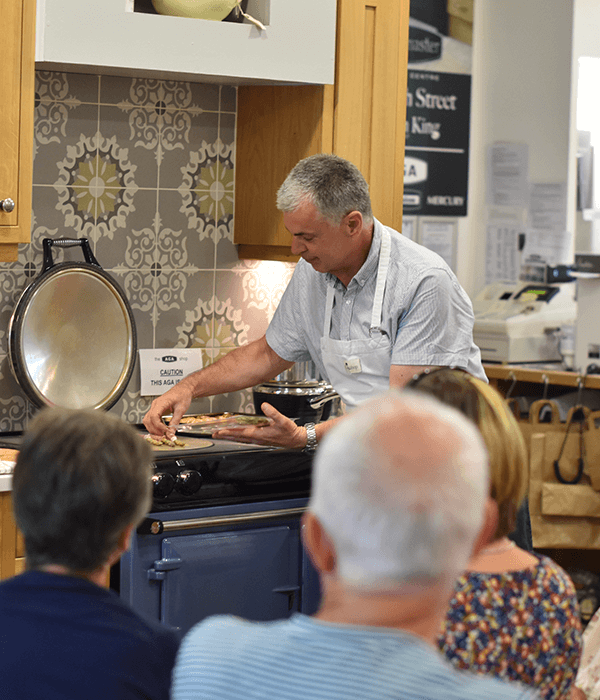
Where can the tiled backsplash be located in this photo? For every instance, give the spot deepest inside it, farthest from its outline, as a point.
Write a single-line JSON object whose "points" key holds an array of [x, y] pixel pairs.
{"points": [[144, 169]]}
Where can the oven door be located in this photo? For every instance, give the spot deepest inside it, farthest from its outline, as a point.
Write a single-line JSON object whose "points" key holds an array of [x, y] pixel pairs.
{"points": [[221, 561]]}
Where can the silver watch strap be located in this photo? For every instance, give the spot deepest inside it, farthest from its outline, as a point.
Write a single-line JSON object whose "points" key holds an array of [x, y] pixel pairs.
{"points": [[311, 437]]}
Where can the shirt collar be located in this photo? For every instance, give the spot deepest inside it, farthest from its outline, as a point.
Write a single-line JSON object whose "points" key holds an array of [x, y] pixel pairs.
{"points": [[369, 267]]}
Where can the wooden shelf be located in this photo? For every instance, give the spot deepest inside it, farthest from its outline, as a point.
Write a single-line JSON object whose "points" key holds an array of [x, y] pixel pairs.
{"points": [[520, 373]]}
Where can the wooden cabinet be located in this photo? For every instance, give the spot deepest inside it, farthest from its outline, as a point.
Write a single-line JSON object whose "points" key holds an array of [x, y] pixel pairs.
{"points": [[109, 37], [16, 123], [361, 118], [12, 550]]}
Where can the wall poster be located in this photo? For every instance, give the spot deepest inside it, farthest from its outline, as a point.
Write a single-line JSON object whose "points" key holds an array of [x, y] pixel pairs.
{"points": [[438, 107]]}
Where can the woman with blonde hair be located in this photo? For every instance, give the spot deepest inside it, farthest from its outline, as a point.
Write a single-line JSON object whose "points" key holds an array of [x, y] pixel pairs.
{"points": [[514, 613]]}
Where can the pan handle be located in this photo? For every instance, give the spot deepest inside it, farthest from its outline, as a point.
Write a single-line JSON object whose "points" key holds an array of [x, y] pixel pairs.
{"points": [[47, 244]]}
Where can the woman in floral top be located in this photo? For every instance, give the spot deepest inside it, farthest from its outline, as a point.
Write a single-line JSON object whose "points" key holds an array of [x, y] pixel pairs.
{"points": [[514, 614]]}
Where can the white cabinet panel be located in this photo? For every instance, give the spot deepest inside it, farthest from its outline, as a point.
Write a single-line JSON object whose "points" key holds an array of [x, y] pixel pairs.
{"points": [[106, 36]]}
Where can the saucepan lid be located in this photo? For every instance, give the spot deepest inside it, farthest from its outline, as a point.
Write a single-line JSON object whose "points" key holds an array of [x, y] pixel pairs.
{"points": [[72, 337]]}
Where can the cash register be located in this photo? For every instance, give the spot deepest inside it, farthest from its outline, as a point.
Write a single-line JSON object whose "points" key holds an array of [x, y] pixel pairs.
{"points": [[520, 322]]}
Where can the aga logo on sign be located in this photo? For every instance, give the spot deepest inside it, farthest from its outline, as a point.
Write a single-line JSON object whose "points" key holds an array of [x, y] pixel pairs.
{"points": [[415, 170]]}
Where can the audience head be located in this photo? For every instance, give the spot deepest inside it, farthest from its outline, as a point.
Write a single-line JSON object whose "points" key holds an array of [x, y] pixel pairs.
{"points": [[333, 185], [82, 477], [499, 429], [399, 488]]}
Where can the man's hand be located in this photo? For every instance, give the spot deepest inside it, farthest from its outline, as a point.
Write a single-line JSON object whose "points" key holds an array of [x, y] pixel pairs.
{"points": [[176, 401], [281, 432]]}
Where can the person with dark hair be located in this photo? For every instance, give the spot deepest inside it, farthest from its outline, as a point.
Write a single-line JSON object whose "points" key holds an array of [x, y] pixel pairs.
{"points": [[367, 305], [514, 614], [81, 485], [397, 505]]}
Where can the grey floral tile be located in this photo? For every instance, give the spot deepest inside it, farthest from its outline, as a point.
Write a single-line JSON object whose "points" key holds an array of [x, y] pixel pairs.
{"points": [[96, 185], [68, 88], [144, 326], [138, 135], [46, 222], [228, 98], [188, 134], [14, 405], [83, 86], [227, 128], [206, 96], [236, 401], [255, 293], [131, 407], [207, 189], [199, 241], [133, 92], [58, 127], [227, 252], [186, 315], [117, 250]]}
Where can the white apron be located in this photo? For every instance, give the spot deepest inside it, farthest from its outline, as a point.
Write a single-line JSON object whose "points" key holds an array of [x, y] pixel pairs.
{"points": [[359, 369]]}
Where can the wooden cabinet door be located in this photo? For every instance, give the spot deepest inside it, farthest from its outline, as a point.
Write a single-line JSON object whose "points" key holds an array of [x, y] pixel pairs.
{"points": [[370, 97], [361, 117], [16, 122], [11, 543]]}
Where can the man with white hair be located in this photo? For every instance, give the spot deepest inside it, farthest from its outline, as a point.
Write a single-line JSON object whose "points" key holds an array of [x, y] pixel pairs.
{"points": [[399, 500]]}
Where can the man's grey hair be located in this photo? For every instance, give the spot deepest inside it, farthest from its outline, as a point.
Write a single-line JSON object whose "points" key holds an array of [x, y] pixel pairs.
{"points": [[334, 185], [400, 486]]}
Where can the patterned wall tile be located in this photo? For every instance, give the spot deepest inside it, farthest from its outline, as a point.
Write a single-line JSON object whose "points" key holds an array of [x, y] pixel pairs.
{"points": [[199, 240], [135, 134], [144, 168], [228, 99], [66, 87], [191, 138], [227, 128], [137, 221], [58, 128]]}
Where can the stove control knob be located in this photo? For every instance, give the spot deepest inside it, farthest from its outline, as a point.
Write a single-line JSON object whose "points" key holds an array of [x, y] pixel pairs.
{"points": [[162, 484], [188, 482]]}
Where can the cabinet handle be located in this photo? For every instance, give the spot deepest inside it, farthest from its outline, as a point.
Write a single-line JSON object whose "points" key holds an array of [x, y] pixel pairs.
{"points": [[157, 527], [7, 205]]}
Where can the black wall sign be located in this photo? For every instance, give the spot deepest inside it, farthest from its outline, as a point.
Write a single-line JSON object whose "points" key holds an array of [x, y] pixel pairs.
{"points": [[438, 107]]}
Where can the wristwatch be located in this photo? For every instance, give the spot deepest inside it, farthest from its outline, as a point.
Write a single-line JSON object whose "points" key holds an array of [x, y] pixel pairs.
{"points": [[311, 437]]}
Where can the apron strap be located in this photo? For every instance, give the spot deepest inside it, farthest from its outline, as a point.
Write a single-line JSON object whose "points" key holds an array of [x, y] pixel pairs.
{"points": [[382, 269]]}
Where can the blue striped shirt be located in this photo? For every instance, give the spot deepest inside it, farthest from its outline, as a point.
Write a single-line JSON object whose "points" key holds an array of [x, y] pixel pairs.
{"points": [[426, 313], [226, 658]]}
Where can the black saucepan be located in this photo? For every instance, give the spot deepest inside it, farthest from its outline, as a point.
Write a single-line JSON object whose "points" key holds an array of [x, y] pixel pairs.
{"points": [[302, 401], [72, 338]]}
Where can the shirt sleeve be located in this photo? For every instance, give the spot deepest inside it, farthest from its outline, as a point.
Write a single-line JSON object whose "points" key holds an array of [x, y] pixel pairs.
{"points": [[437, 326]]}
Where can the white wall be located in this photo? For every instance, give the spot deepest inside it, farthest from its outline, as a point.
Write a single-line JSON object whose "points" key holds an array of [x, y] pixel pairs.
{"points": [[521, 91], [586, 42]]}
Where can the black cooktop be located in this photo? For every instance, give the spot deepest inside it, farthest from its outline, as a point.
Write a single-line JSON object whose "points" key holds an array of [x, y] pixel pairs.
{"points": [[219, 473]]}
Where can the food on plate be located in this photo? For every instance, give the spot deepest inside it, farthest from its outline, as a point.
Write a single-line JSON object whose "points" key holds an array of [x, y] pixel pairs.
{"points": [[251, 420], [216, 421], [204, 418], [175, 442]]}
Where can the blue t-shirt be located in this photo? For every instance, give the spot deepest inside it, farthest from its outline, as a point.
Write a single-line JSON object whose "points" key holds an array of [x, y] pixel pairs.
{"points": [[64, 638], [226, 658]]}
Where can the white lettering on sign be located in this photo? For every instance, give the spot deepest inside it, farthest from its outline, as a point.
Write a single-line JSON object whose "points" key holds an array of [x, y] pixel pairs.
{"points": [[415, 170], [441, 200]]}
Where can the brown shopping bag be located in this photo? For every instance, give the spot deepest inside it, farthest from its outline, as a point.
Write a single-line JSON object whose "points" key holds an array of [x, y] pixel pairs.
{"points": [[564, 507]]}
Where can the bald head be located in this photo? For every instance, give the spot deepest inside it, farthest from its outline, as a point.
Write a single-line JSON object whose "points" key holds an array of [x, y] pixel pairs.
{"points": [[400, 486]]}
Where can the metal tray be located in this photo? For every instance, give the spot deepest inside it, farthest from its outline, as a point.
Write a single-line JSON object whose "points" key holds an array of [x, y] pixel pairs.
{"points": [[205, 423]]}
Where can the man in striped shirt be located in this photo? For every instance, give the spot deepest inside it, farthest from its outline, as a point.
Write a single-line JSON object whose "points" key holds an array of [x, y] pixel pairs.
{"points": [[399, 500]]}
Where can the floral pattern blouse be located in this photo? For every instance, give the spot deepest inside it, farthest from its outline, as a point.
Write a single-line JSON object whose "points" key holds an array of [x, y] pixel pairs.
{"points": [[521, 625]]}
